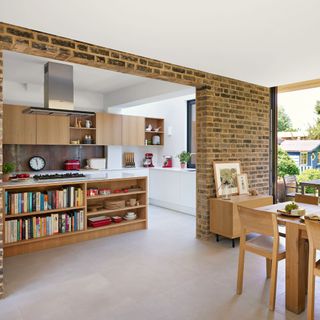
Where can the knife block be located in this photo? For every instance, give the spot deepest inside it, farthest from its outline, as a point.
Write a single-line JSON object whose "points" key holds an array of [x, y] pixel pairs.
{"points": [[128, 160]]}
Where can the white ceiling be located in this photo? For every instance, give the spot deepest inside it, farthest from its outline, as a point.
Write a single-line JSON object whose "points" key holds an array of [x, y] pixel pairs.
{"points": [[29, 69], [268, 42]]}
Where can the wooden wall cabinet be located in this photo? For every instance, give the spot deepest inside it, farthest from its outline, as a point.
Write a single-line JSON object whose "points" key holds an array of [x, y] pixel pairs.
{"points": [[53, 130], [109, 129], [133, 131], [18, 128], [224, 216]]}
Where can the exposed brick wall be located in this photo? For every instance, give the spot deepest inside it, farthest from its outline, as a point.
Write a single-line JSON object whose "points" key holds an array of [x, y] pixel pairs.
{"points": [[232, 115]]}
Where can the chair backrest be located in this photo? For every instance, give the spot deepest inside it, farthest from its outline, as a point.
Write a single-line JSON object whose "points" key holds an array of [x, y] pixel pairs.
{"points": [[257, 221], [313, 230], [303, 198], [290, 182]]}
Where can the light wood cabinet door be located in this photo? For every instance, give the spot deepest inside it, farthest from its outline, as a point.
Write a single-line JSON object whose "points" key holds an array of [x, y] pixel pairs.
{"points": [[53, 129], [18, 128], [108, 129], [133, 131]]}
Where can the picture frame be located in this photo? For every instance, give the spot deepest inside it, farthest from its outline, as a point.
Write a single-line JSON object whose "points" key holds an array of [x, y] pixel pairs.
{"points": [[225, 173], [243, 185]]}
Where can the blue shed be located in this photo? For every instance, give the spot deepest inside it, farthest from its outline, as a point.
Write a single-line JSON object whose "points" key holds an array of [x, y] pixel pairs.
{"points": [[305, 153]]}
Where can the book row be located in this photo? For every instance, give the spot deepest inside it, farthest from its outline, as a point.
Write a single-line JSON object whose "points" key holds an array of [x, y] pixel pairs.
{"points": [[25, 202], [36, 227]]}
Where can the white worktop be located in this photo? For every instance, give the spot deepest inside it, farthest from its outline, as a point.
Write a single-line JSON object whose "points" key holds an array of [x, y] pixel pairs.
{"points": [[174, 169], [103, 175]]}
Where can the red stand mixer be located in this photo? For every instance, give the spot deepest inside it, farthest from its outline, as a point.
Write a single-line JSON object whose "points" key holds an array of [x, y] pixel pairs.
{"points": [[147, 161]]}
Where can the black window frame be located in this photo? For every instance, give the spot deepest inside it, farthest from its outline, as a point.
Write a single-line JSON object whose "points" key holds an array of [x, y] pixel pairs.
{"points": [[190, 105]]}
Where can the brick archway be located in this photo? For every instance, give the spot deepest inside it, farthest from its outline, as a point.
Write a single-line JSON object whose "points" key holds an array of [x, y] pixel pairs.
{"points": [[232, 115]]}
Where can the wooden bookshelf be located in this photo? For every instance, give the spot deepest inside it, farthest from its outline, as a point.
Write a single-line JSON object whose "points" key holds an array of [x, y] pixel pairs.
{"points": [[55, 240]]}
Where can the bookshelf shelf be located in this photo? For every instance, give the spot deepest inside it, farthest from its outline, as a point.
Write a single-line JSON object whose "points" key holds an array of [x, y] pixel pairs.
{"points": [[118, 225], [54, 236], [71, 215], [35, 213], [113, 195], [106, 212]]}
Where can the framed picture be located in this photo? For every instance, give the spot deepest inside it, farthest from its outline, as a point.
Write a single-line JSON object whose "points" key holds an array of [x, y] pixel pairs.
{"points": [[243, 185], [225, 175]]}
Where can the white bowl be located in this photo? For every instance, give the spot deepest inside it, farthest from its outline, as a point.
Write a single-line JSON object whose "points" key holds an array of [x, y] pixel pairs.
{"points": [[130, 218]]}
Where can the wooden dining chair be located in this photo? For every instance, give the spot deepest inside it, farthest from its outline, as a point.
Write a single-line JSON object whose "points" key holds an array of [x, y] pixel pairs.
{"points": [[313, 230], [267, 245], [304, 198], [291, 186]]}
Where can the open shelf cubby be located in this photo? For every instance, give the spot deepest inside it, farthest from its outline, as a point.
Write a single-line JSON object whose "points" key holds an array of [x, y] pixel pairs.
{"points": [[156, 123]]}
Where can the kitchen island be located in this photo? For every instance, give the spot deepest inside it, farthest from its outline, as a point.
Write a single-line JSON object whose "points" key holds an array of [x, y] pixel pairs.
{"points": [[45, 214]]}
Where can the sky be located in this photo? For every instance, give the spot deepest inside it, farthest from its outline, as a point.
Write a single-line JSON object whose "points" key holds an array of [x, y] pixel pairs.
{"points": [[299, 105]]}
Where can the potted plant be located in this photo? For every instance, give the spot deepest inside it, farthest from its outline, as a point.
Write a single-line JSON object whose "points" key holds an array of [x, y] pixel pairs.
{"points": [[184, 157], [7, 168]]}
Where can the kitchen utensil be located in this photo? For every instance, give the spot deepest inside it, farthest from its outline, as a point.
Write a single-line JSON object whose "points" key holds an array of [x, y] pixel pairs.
{"points": [[95, 208], [128, 160], [133, 202], [104, 192], [88, 124], [147, 161], [156, 140], [72, 165], [116, 219], [100, 221], [167, 162], [294, 213], [91, 192], [134, 189], [87, 139], [130, 216], [113, 205], [97, 163]]}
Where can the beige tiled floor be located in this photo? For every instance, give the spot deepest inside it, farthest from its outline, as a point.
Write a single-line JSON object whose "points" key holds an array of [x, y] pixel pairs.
{"points": [[161, 273]]}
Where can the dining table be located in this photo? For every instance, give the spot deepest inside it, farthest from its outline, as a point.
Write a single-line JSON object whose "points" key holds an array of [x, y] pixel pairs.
{"points": [[297, 250]]}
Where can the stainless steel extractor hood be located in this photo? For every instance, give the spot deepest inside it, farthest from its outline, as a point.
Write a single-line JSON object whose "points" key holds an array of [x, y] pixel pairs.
{"points": [[58, 92]]}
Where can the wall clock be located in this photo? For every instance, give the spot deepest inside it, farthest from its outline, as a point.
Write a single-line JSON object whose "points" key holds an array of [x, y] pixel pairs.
{"points": [[37, 163]]}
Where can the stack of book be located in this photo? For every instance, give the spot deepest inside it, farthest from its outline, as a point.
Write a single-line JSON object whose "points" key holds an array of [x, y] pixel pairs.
{"points": [[24, 202], [41, 226]]}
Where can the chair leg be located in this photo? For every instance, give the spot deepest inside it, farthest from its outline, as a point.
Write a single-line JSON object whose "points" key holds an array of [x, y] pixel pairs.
{"points": [[217, 238], [240, 267], [268, 268], [306, 245], [273, 284], [311, 286]]}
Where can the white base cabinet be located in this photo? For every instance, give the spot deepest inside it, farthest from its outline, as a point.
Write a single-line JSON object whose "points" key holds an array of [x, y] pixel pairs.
{"points": [[174, 189]]}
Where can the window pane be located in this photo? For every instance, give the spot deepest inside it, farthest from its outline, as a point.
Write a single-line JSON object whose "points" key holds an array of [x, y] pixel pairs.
{"points": [[191, 131]]}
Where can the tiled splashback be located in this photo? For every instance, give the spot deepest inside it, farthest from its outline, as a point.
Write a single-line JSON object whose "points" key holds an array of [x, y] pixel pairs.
{"points": [[54, 155]]}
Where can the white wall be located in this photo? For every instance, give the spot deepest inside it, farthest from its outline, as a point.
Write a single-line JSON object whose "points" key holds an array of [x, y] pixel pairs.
{"points": [[174, 112], [32, 95]]}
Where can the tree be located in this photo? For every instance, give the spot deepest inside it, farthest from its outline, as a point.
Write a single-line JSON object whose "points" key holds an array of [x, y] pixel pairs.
{"points": [[284, 121], [314, 131], [286, 166]]}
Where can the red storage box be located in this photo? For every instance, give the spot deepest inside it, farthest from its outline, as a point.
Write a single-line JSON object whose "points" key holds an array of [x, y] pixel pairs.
{"points": [[116, 219], [99, 221], [72, 165]]}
